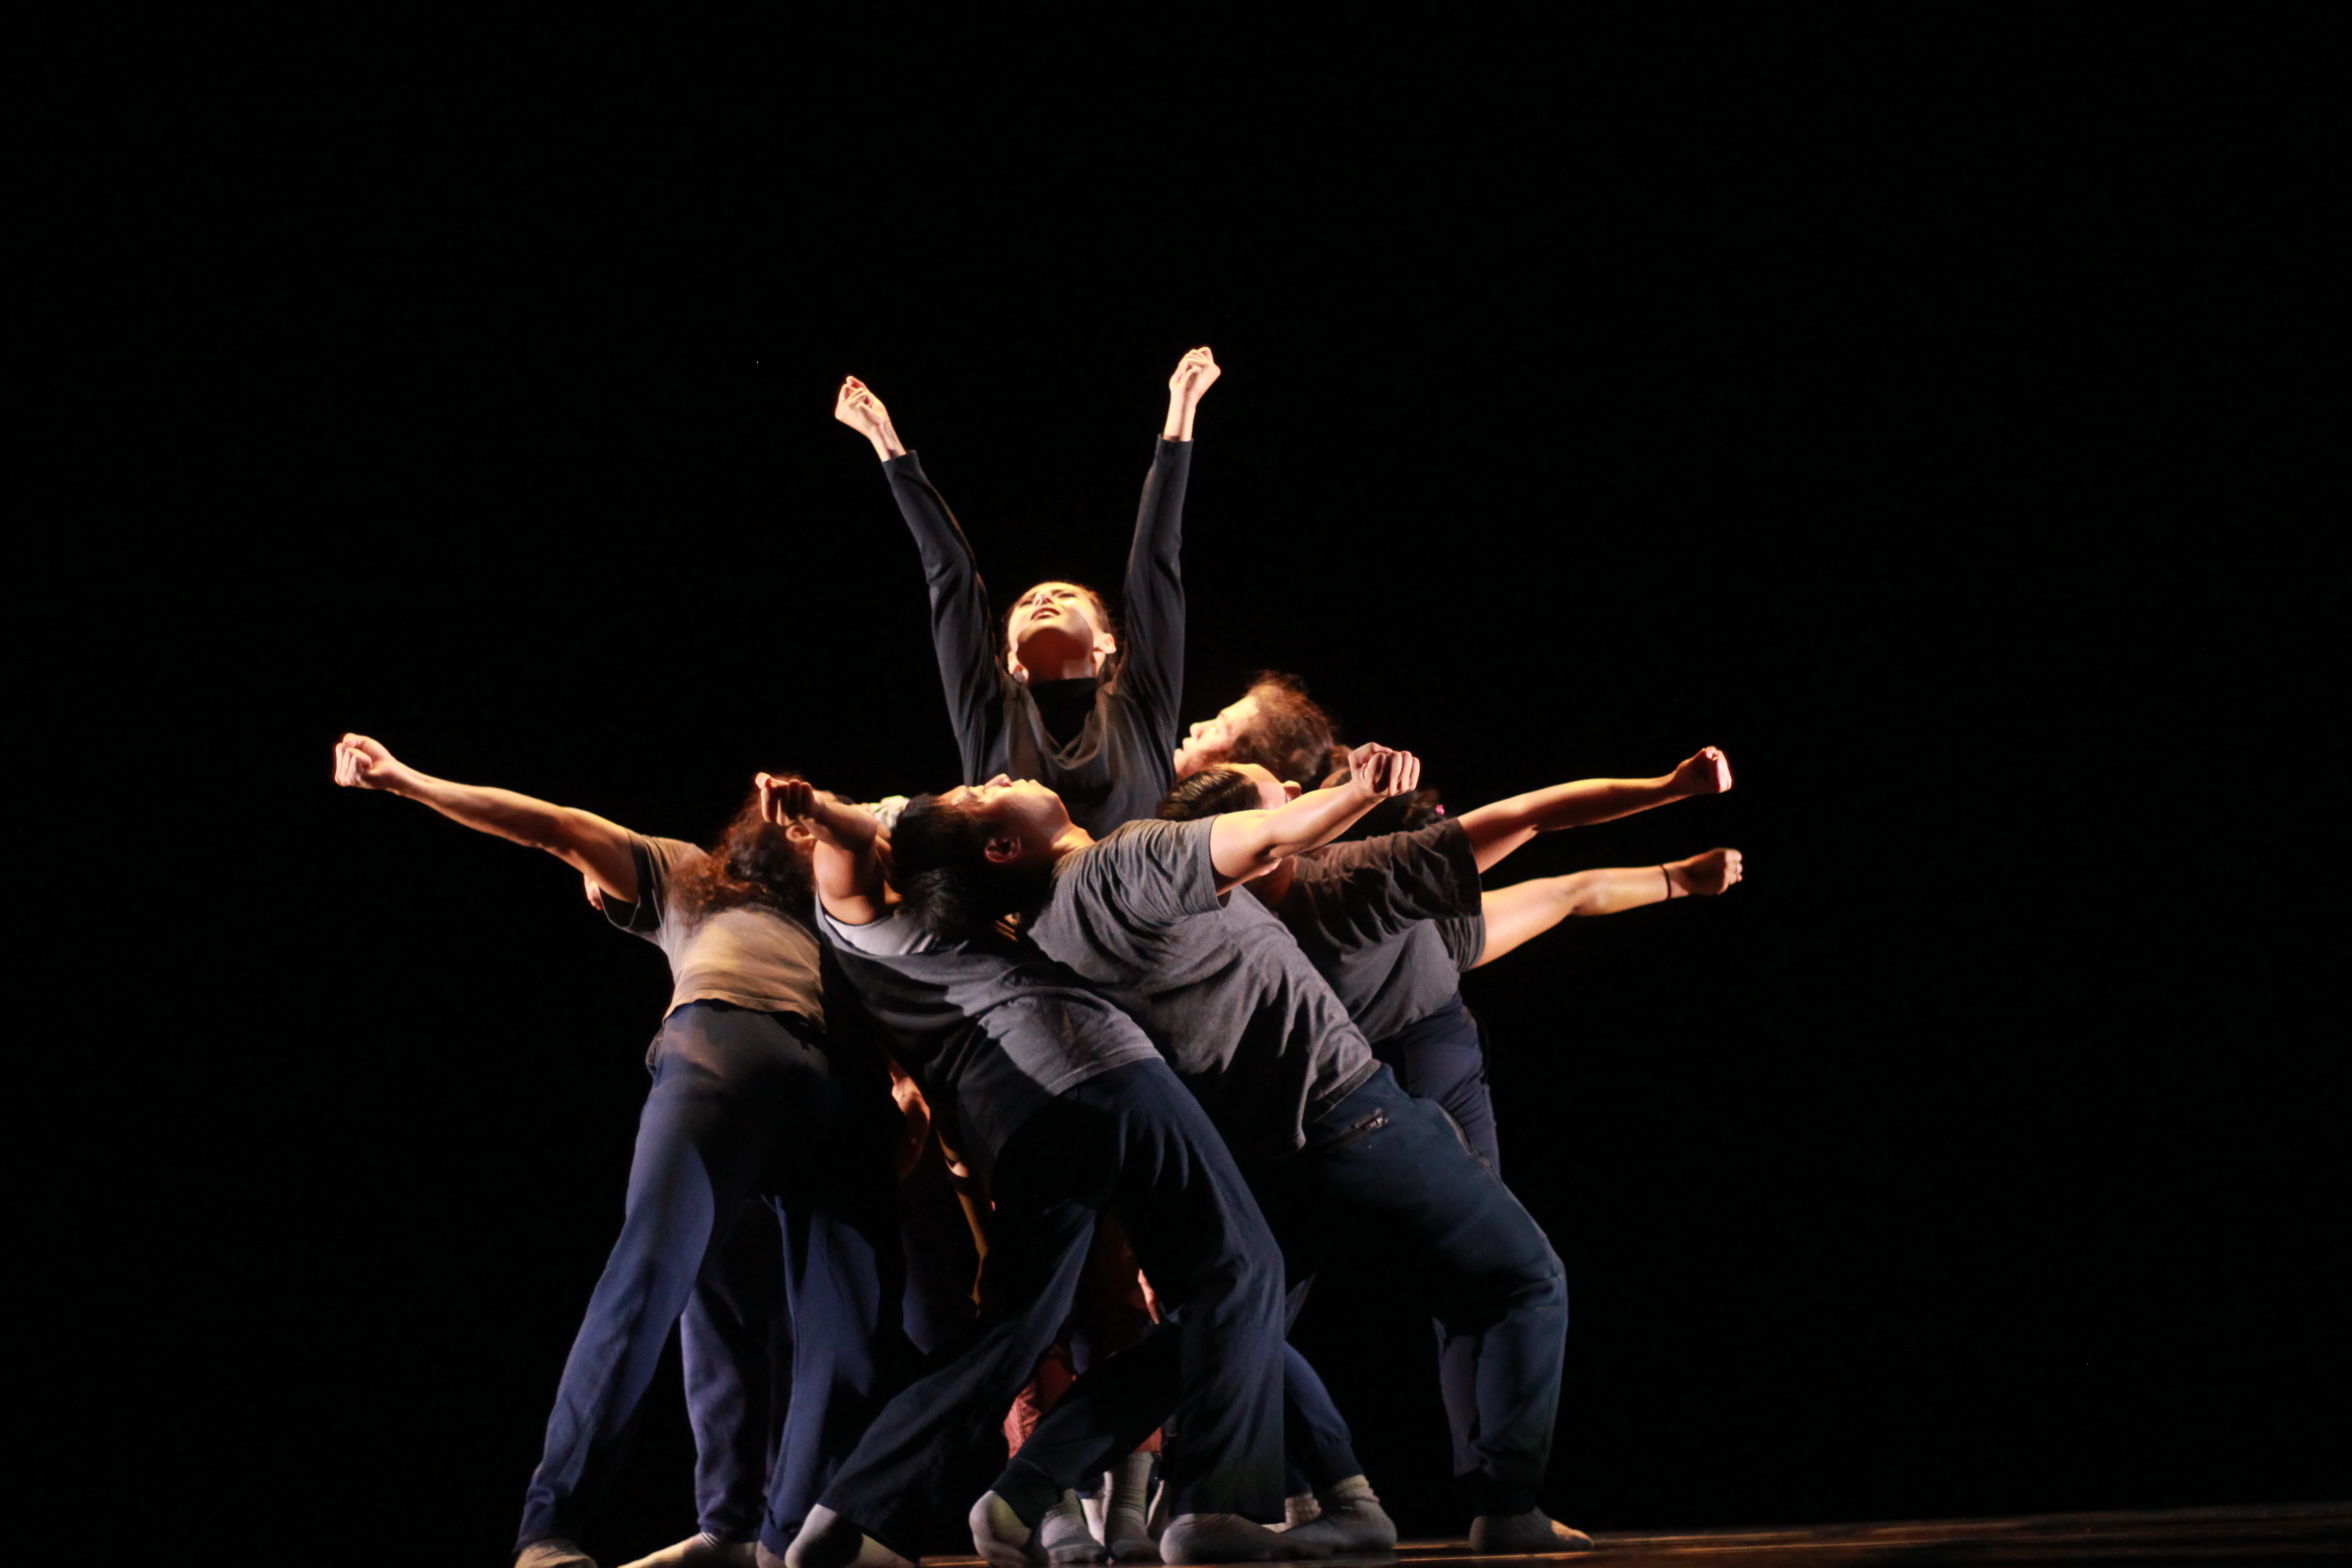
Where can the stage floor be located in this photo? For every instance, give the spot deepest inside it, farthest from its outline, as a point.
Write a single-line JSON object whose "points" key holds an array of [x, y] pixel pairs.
{"points": [[2308, 1533]]}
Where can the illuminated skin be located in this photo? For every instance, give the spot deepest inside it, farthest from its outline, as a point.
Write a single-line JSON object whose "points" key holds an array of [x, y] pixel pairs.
{"points": [[1057, 630], [597, 849], [1030, 828], [1527, 909], [1212, 740]]}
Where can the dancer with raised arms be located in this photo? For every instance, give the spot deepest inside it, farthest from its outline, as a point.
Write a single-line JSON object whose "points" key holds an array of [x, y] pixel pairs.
{"points": [[751, 1097], [1060, 694]]}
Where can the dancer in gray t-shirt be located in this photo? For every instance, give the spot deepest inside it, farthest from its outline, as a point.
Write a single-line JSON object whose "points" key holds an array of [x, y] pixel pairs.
{"points": [[1340, 1158]]}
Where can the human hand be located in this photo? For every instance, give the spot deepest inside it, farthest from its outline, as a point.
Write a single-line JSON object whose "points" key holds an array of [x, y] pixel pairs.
{"points": [[786, 800], [1382, 772], [858, 408], [363, 764], [1707, 874], [1708, 773], [596, 893], [1195, 374]]}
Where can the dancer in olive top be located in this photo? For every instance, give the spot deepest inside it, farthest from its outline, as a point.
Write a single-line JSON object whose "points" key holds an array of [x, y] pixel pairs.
{"points": [[751, 1099], [1059, 694]]}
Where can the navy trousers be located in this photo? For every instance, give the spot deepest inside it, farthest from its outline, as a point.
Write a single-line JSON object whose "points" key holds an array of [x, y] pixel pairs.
{"points": [[735, 1339], [1135, 1144], [1442, 1058], [744, 1105], [1387, 1179]]}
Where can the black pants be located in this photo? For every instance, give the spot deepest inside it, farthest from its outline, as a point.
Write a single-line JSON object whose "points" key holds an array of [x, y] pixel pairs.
{"points": [[1135, 1144]]}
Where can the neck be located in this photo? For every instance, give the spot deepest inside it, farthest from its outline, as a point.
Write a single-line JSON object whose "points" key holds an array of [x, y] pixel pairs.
{"points": [[1070, 840], [1065, 666]]}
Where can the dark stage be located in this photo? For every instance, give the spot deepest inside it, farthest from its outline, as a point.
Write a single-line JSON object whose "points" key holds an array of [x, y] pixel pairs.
{"points": [[2316, 1533], [1909, 403]]}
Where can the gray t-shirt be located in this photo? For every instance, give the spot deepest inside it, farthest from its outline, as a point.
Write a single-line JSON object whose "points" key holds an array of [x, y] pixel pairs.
{"points": [[1392, 921], [749, 955], [1221, 988], [989, 1030]]}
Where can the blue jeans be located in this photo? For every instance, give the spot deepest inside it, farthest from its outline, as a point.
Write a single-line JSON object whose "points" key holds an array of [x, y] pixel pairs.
{"points": [[744, 1105], [1135, 1144], [1386, 1176], [1442, 1058]]}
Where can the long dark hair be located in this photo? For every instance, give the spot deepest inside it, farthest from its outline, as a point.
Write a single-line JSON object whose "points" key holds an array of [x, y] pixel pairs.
{"points": [[754, 863]]}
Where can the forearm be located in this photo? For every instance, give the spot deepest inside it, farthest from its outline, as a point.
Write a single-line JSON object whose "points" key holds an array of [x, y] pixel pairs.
{"points": [[1179, 424], [1154, 589], [963, 631], [580, 839], [1527, 909], [1247, 844], [1498, 829]]}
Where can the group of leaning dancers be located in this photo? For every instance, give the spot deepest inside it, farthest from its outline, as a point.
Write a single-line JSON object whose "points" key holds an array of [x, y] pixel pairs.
{"points": [[1139, 1006]]}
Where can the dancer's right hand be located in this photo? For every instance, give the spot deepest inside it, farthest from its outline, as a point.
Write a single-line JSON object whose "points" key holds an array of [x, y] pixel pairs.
{"points": [[786, 800], [362, 763], [1382, 772]]}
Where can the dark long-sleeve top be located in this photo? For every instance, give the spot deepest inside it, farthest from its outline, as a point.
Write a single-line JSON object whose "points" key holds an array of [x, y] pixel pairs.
{"points": [[1110, 747]]}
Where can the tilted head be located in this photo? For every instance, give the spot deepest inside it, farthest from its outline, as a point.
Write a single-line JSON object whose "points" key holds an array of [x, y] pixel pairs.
{"points": [[1226, 786], [755, 862], [969, 857], [1056, 627], [1275, 725]]}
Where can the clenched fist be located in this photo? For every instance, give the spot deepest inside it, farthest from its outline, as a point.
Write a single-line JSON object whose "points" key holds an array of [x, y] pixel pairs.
{"points": [[362, 763]]}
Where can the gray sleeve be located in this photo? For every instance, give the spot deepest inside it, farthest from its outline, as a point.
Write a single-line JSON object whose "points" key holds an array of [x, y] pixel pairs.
{"points": [[1155, 873], [1375, 888], [1465, 940], [657, 860]]}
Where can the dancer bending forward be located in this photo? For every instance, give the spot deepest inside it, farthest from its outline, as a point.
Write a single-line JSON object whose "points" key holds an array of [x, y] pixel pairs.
{"points": [[1343, 1160], [750, 1099]]}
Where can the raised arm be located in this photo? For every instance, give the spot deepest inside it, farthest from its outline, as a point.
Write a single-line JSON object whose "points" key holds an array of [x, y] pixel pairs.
{"points": [[596, 849], [1243, 845], [1153, 674], [963, 631], [1495, 830], [846, 864], [1526, 909]]}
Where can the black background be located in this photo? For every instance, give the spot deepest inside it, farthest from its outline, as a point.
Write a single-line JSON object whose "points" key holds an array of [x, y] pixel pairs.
{"points": [[1894, 398]]}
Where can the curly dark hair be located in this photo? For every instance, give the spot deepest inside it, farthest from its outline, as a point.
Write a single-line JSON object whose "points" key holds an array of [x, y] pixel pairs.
{"points": [[1103, 618], [1292, 736], [1211, 791], [938, 857], [754, 863]]}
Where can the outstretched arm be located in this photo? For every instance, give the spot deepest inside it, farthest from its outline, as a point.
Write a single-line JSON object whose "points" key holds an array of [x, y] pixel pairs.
{"points": [[1495, 830], [1153, 675], [857, 407], [963, 633], [1195, 374], [846, 865], [1526, 909], [598, 849], [1243, 845]]}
